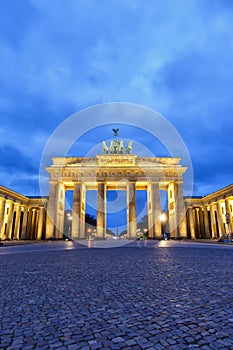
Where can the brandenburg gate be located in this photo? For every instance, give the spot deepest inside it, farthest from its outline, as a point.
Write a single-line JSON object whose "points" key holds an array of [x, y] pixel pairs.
{"points": [[116, 169], [27, 217]]}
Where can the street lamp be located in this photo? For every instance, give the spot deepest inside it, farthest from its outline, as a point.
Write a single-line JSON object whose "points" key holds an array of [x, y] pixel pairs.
{"points": [[69, 217], [145, 232], [138, 233], [163, 220], [89, 233]]}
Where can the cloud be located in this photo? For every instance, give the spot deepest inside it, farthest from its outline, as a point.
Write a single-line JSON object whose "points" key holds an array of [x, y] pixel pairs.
{"points": [[172, 56], [13, 160]]}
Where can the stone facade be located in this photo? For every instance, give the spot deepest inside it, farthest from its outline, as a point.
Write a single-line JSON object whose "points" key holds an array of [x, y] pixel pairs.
{"points": [[24, 217], [210, 216], [21, 217], [115, 171]]}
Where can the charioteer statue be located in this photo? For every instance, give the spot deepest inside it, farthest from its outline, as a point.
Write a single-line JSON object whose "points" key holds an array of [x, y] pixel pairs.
{"points": [[117, 146]]}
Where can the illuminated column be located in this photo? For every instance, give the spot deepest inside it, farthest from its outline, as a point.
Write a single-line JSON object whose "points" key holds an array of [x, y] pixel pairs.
{"points": [[197, 217], [40, 223], [213, 221], [9, 220], [171, 209], [24, 225], [206, 223], [29, 224], [2, 217], [220, 219], [17, 221], [52, 209], [76, 211], [33, 224], [202, 226], [60, 212], [150, 217], [191, 223], [180, 210], [177, 212], [131, 210], [83, 211], [101, 209], [228, 210], [157, 228]]}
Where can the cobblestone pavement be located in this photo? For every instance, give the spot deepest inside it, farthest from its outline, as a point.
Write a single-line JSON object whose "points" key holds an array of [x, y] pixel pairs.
{"points": [[178, 297]]}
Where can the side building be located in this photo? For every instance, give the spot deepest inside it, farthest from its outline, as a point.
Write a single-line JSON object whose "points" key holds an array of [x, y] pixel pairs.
{"points": [[210, 216], [21, 217]]}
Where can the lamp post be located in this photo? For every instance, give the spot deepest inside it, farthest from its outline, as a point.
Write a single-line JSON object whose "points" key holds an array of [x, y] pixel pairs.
{"points": [[138, 233], [69, 218], [145, 232], [89, 233], [163, 220]]}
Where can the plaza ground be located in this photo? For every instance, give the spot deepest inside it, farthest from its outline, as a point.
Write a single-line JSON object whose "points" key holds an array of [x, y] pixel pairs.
{"points": [[154, 295]]}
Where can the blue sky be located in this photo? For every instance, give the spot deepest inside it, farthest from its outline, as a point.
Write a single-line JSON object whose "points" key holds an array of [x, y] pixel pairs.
{"points": [[59, 56]]}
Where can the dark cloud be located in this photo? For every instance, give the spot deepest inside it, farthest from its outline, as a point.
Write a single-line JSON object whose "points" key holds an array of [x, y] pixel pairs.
{"points": [[60, 56], [14, 161]]}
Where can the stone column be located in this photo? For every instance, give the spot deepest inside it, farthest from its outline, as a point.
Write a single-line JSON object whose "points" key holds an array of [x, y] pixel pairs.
{"points": [[181, 211], [36, 223], [10, 220], [202, 226], [156, 211], [206, 223], [24, 225], [171, 210], [59, 215], [76, 211], [40, 223], [2, 217], [101, 205], [52, 209], [83, 212], [17, 221], [191, 223], [213, 221], [150, 216], [131, 210], [198, 227], [179, 229], [29, 224], [33, 224], [220, 219], [228, 210]]}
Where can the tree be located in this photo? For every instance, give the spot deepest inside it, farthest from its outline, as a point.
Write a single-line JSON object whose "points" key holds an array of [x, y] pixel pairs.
{"points": [[90, 219]]}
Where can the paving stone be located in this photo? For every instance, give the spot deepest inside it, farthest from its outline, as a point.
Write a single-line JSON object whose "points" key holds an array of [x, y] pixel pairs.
{"points": [[124, 298], [130, 342]]}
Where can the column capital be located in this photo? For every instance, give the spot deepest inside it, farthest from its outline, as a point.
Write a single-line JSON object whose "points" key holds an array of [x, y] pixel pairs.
{"points": [[17, 204], [11, 201]]}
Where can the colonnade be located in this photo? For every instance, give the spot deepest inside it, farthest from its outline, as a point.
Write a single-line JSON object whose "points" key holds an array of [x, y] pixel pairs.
{"points": [[27, 218], [210, 216], [56, 208], [20, 216]]}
